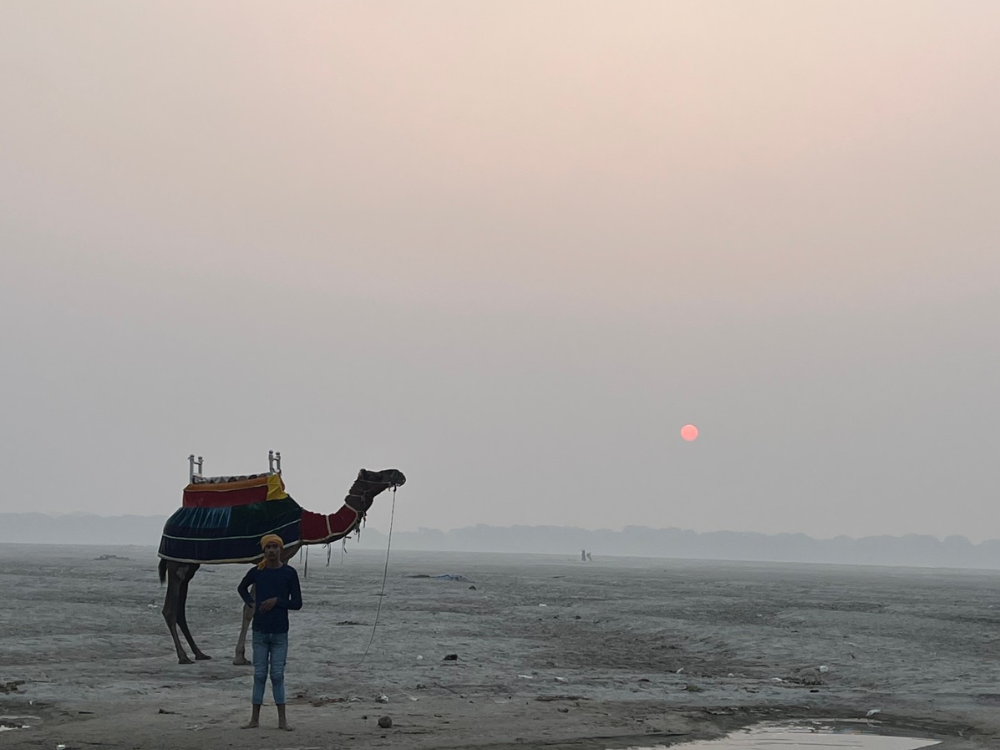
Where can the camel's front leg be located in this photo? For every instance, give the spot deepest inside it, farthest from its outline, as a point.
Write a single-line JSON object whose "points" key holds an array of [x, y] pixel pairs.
{"points": [[240, 657]]}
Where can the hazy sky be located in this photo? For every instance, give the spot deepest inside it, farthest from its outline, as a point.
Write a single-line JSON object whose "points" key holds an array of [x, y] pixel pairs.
{"points": [[509, 248]]}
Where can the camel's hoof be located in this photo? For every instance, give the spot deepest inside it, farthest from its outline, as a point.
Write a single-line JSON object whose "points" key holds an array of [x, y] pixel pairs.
{"points": [[202, 657], [241, 661], [184, 660]]}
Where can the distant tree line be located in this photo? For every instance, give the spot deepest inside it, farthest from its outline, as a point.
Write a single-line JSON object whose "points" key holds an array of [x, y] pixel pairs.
{"points": [[640, 541], [633, 541]]}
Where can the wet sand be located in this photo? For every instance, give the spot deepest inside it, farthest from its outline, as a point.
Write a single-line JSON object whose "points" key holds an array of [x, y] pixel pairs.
{"points": [[552, 652]]}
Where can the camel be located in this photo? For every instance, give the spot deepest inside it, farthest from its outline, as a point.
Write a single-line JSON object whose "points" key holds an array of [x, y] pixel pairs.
{"points": [[177, 574]]}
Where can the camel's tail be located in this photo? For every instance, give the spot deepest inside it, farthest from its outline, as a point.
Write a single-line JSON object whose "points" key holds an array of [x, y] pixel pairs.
{"points": [[163, 571]]}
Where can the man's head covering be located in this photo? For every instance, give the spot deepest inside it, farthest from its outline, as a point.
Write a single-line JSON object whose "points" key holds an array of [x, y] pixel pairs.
{"points": [[266, 540]]}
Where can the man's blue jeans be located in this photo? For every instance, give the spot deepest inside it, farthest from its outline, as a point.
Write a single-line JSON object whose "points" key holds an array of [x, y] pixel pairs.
{"points": [[271, 647]]}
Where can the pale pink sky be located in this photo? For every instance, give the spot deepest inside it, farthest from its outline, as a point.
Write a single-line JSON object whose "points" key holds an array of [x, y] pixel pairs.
{"points": [[510, 248]]}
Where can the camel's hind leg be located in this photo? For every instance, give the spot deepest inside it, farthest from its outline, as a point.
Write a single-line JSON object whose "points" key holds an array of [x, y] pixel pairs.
{"points": [[240, 657], [182, 619], [176, 575]]}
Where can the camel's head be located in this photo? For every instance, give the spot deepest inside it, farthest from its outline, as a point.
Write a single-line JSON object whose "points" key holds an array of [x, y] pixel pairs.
{"points": [[387, 477], [371, 483]]}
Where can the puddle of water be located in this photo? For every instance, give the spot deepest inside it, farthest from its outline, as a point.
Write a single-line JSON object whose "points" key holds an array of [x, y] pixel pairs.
{"points": [[803, 737]]}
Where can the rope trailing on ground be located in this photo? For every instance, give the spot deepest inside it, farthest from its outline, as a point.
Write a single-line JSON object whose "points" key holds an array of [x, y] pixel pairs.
{"points": [[385, 575]]}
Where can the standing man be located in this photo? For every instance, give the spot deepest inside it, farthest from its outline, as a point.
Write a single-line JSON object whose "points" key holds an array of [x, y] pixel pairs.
{"points": [[276, 590]]}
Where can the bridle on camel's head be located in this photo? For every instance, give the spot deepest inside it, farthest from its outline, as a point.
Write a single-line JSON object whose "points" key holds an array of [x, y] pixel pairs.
{"points": [[364, 490], [370, 484]]}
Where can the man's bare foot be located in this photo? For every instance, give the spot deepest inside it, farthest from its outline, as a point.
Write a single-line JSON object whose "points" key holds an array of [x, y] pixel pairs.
{"points": [[284, 727], [254, 717]]}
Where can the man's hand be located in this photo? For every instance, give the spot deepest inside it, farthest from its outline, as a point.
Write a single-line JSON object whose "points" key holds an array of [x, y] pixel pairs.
{"points": [[268, 604]]}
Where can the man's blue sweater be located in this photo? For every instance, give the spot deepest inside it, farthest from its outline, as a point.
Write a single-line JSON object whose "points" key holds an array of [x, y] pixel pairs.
{"points": [[272, 583]]}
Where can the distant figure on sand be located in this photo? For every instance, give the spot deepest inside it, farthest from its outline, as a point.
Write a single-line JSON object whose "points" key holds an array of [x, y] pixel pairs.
{"points": [[276, 590], [584, 556]]}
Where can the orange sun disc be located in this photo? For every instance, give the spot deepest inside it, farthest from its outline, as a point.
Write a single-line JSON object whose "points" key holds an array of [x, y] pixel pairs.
{"points": [[689, 432]]}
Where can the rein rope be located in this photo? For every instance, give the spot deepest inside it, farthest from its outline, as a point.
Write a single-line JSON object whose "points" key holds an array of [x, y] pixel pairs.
{"points": [[385, 575]]}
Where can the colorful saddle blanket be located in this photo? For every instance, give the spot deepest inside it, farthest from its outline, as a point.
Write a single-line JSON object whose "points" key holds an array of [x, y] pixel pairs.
{"points": [[229, 534]]}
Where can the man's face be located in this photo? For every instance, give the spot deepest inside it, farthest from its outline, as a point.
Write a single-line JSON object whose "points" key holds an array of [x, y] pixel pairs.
{"points": [[272, 551]]}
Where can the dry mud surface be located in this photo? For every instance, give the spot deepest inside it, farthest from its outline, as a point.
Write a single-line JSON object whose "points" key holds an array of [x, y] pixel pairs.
{"points": [[552, 652]]}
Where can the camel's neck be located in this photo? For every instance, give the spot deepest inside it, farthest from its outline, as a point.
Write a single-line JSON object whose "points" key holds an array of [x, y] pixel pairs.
{"points": [[319, 528]]}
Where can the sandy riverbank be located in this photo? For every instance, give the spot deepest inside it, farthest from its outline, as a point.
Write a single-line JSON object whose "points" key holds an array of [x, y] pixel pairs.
{"points": [[623, 652]]}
